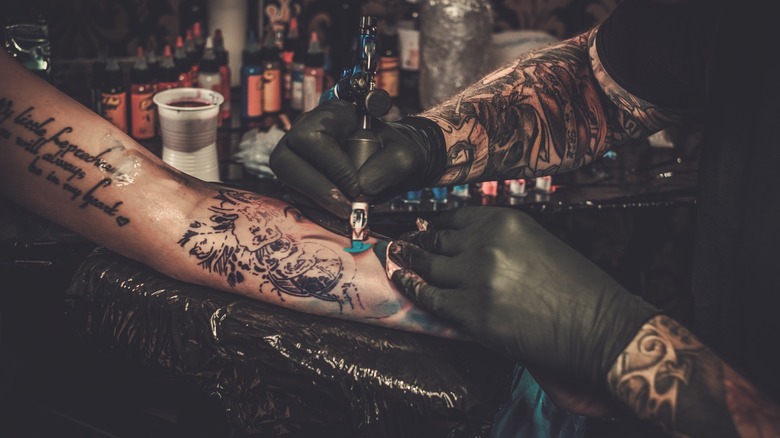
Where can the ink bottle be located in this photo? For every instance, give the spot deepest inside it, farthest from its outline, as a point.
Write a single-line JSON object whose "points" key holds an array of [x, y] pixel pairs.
{"points": [[313, 74], [292, 42], [182, 62], [113, 96], [208, 72], [142, 113], [387, 77], [251, 82], [168, 76], [272, 74], [223, 60]]}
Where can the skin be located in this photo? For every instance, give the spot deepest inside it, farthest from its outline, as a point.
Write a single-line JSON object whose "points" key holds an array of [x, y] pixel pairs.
{"points": [[69, 165]]}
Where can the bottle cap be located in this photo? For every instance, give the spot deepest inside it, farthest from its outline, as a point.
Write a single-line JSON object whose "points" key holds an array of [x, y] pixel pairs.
{"points": [[140, 73], [314, 57], [209, 62]]}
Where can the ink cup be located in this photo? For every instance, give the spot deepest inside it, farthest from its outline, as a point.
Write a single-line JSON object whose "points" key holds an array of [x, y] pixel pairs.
{"points": [[188, 121]]}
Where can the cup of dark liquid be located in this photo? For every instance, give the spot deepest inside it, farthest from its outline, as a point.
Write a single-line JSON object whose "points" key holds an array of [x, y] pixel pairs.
{"points": [[188, 124]]}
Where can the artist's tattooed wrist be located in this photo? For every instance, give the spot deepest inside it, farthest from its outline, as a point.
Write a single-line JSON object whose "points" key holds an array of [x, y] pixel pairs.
{"points": [[665, 375], [542, 114]]}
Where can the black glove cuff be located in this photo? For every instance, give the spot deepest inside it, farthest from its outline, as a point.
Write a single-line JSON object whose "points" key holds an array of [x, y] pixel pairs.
{"points": [[428, 135]]}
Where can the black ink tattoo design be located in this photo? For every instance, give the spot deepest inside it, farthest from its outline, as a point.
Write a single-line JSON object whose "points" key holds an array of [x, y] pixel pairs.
{"points": [[539, 115], [223, 245]]}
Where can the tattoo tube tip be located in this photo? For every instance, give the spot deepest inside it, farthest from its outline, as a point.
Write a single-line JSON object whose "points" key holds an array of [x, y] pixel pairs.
{"points": [[358, 246]]}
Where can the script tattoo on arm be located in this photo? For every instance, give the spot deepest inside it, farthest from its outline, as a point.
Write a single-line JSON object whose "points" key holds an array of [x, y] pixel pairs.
{"points": [[667, 376], [547, 112], [55, 158], [243, 239]]}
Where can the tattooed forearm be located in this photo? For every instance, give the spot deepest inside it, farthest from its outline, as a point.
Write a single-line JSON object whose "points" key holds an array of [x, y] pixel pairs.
{"points": [[541, 114], [265, 248], [61, 163], [667, 376]]}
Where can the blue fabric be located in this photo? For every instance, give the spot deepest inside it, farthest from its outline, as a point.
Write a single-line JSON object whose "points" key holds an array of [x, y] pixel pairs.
{"points": [[531, 413]]}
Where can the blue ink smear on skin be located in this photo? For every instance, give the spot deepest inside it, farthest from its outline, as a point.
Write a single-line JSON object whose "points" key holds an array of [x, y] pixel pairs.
{"points": [[358, 246], [380, 251]]}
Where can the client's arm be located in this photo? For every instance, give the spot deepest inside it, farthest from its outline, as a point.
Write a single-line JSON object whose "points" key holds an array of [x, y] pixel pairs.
{"points": [[69, 165]]}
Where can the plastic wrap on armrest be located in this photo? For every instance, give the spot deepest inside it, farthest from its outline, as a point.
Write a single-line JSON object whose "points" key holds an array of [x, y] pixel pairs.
{"points": [[279, 371]]}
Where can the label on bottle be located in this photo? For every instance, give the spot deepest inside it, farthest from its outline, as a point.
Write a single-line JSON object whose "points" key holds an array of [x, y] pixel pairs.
{"points": [[296, 94], [115, 109], [387, 75], [313, 81], [253, 102], [409, 45], [272, 90], [142, 115]]}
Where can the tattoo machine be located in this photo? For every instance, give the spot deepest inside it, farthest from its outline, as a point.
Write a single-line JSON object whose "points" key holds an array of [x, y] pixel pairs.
{"points": [[357, 85]]}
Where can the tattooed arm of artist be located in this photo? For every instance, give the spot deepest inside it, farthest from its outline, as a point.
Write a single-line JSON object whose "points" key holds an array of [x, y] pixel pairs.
{"points": [[550, 111], [667, 376], [71, 166]]}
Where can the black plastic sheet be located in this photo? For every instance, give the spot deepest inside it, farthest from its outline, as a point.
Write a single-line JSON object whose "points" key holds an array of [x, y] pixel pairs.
{"points": [[278, 372]]}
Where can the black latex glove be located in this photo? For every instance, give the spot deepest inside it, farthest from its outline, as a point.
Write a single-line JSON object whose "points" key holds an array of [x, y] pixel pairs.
{"points": [[499, 276], [311, 158]]}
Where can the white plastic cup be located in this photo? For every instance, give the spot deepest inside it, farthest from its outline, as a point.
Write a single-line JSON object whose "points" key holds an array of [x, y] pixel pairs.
{"points": [[189, 133]]}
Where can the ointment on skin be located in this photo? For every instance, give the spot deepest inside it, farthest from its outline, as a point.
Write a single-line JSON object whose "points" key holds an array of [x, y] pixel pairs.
{"points": [[125, 166]]}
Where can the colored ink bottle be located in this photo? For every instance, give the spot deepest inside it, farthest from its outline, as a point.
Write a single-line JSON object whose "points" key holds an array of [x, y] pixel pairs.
{"points": [[152, 61], [142, 115], [223, 60], [461, 191], [296, 77], [208, 72], [543, 184], [516, 187], [113, 95], [313, 74], [409, 46], [272, 74], [290, 47], [198, 39], [387, 77], [168, 75], [208, 69], [413, 197], [439, 194], [251, 82], [182, 62], [489, 191], [192, 57]]}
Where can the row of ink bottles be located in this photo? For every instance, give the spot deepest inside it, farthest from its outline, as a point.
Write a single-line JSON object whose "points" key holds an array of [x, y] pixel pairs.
{"points": [[510, 191], [284, 74], [194, 61]]}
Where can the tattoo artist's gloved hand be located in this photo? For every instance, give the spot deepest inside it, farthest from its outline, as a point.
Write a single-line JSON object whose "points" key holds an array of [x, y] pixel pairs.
{"points": [[499, 276], [311, 159]]}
